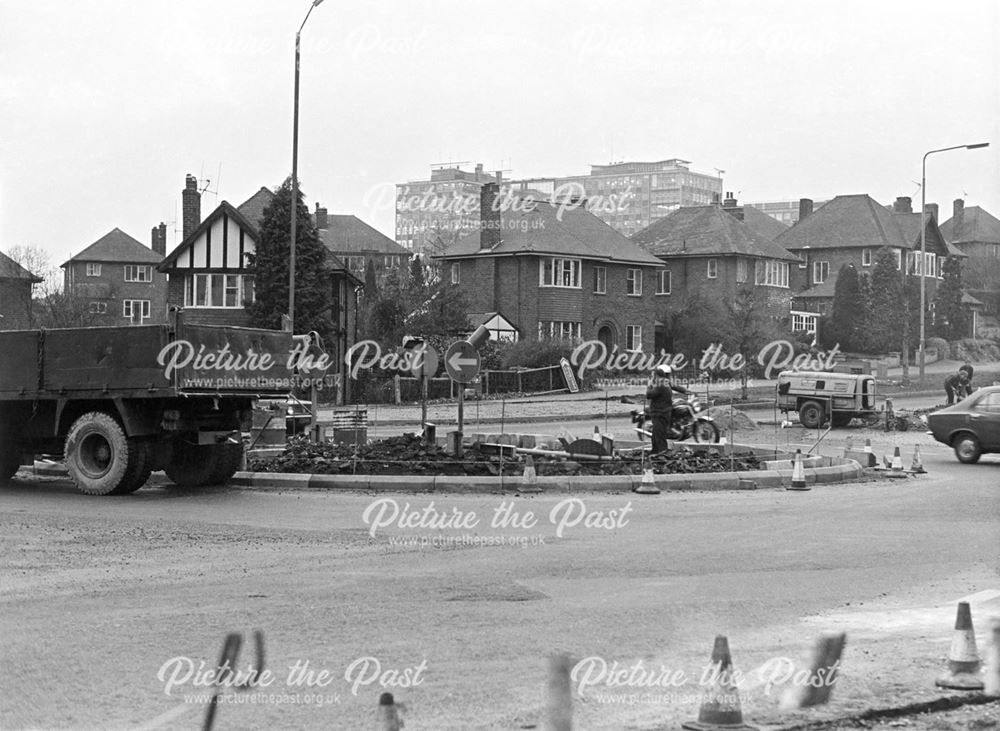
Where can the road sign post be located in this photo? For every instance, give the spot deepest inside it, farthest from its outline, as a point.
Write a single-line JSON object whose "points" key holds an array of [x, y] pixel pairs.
{"points": [[462, 364], [425, 365]]}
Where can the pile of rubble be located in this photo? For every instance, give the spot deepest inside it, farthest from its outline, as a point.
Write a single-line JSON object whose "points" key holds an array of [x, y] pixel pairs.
{"points": [[409, 455]]}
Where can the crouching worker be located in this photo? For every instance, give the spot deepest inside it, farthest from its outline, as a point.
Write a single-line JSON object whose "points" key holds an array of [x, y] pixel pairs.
{"points": [[956, 384]]}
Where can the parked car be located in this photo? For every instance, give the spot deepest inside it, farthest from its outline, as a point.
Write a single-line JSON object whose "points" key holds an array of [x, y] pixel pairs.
{"points": [[971, 427]]}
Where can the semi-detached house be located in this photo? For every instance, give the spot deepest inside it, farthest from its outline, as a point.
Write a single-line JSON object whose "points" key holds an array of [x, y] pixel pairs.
{"points": [[556, 271]]}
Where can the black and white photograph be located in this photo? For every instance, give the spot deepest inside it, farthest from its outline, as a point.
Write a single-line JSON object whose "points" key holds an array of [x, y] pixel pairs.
{"points": [[463, 366]]}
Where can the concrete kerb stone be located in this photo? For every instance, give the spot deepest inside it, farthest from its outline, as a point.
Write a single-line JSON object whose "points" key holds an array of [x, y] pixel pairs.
{"points": [[838, 470]]}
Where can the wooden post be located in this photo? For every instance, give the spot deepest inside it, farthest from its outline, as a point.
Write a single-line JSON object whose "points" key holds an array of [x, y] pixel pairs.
{"points": [[461, 420], [423, 400]]}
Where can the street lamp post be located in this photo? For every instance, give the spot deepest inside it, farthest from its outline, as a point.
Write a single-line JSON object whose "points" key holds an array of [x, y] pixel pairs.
{"points": [[295, 175], [923, 247]]}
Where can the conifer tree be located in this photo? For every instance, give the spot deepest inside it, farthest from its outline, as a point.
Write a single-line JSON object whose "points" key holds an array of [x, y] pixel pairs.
{"points": [[950, 318]]}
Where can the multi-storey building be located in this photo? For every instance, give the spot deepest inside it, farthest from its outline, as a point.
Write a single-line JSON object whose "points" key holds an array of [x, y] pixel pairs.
{"points": [[431, 214], [788, 212], [118, 278], [15, 294], [555, 273], [628, 196]]}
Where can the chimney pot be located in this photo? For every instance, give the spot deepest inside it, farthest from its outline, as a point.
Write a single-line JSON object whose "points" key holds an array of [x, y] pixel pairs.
{"points": [[903, 204], [730, 201], [159, 239], [805, 208]]}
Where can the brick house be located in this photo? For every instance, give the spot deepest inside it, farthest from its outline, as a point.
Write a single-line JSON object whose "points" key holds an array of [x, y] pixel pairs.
{"points": [[356, 243], [713, 251], [207, 272], [15, 294], [976, 233], [850, 229], [555, 272], [118, 278]]}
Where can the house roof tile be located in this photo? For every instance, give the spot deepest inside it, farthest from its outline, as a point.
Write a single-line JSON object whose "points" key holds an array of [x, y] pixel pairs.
{"points": [[707, 231], [117, 246], [10, 269], [545, 228], [977, 225], [347, 234], [253, 207]]}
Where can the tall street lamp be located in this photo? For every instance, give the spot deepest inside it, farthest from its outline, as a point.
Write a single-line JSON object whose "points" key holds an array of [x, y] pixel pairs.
{"points": [[295, 175], [923, 246]]}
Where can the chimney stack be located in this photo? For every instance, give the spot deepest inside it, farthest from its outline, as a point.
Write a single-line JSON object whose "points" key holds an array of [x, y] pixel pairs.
{"points": [[190, 206], [903, 204], [957, 219], [805, 208], [931, 209], [320, 217], [159, 236], [730, 201], [489, 217]]}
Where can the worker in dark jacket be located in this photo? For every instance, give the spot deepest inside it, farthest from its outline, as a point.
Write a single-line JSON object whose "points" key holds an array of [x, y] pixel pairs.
{"points": [[967, 369], [661, 403], [957, 384]]}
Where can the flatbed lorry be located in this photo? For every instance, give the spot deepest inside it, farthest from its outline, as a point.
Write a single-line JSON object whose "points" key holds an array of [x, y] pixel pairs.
{"points": [[120, 402]]}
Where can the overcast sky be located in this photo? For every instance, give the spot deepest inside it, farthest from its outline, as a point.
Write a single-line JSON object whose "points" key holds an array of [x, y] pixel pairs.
{"points": [[106, 105]]}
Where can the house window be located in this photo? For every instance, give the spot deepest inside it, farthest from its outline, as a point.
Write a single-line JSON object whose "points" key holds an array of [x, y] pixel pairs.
{"points": [[633, 337], [135, 310], [456, 273], [664, 282], [899, 259], [633, 282], [713, 268], [866, 257], [600, 280], [229, 291], [929, 265], [804, 321], [821, 270], [559, 330], [97, 308], [741, 270], [771, 273], [555, 272], [356, 263], [137, 273], [93, 270]]}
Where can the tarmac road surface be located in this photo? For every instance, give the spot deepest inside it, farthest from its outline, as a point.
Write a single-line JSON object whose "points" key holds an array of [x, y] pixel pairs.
{"points": [[106, 601]]}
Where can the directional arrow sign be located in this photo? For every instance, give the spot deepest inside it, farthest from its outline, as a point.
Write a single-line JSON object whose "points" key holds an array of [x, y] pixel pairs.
{"points": [[462, 362]]}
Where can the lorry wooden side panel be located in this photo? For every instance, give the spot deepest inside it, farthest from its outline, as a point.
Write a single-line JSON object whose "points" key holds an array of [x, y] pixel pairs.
{"points": [[18, 363], [233, 358], [103, 359]]}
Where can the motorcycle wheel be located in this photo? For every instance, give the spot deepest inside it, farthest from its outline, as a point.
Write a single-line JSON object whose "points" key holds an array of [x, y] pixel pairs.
{"points": [[706, 432]]}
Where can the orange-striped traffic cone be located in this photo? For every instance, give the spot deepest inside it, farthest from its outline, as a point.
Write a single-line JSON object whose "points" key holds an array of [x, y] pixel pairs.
{"points": [[963, 659], [868, 446], [798, 474], [720, 705], [897, 461], [917, 466]]}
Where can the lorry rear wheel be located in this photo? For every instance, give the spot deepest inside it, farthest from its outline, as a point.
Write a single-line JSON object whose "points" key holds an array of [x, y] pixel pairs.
{"points": [[811, 415], [192, 464], [100, 458], [139, 469], [227, 459]]}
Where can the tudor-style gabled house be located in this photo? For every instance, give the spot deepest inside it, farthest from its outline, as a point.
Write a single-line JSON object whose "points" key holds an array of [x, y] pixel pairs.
{"points": [[208, 276], [15, 294], [549, 271], [118, 278], [850, 229]]}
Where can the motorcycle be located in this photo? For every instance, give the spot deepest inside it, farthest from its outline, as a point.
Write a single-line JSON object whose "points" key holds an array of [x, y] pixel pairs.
{"points": [[688, 420]]}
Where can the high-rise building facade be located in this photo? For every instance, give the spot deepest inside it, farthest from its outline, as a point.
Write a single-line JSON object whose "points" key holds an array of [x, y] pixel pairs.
{"points": [[628, 196]]}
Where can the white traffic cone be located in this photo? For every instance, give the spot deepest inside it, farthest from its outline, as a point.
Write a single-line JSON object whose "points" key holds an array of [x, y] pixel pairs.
{"points": [[798, 474], [963, 658], [648, 484], [917, 466]]}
